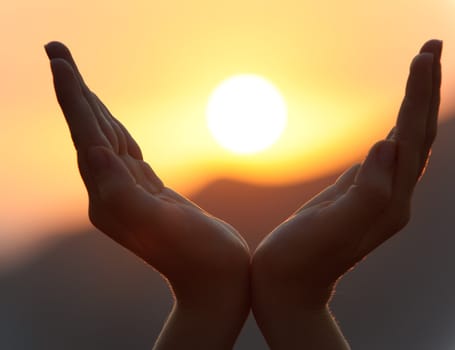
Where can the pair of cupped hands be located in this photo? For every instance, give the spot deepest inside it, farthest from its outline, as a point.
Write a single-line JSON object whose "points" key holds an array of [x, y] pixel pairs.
{"points": [[289, 278]]}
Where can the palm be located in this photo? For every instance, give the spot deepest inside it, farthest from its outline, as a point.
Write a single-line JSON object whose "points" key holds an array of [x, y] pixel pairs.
{"points": [[314, 245], [162, 227]]}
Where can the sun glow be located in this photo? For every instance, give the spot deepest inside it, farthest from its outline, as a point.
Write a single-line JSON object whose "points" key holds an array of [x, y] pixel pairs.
{"points": [[246, 114]]}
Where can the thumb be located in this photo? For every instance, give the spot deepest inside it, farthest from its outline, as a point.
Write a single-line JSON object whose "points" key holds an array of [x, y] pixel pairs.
{"points": [[117, 189], [358, 209], [108, 171], [376, 175]]}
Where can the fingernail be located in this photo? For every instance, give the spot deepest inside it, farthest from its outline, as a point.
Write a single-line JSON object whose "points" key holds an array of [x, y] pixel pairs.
{"points": [[440, 48], [98, 159], [392, 133], [386, 154], [46, 48]]}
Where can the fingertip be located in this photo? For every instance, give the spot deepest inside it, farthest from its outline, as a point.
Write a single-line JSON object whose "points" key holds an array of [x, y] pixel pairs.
{"points": [[47, 49], [52, 48], [385, 154], [56, 49], [66, 84], [420, 82], [348, 176], [433, 46], [392, 134]]}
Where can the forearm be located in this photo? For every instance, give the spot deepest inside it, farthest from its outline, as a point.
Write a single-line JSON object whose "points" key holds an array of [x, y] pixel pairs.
{"points": [[297, 327]]}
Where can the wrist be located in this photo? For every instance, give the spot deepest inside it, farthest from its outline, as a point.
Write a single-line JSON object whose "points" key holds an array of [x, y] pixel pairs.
{"points": [[208, 312], [215, 300], [292, 311], [226, 286], [273, 284], [214, 324]]}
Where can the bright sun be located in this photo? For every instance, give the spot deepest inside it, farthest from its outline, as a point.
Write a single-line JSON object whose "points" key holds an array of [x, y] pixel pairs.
{"points": [[246, 113]]}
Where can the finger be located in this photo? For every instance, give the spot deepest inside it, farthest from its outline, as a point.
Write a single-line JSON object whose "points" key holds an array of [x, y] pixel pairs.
{"points": [[359, 208], [415, 107], [55, 49], [133, 148], [143, 174], [79, 116], [153, 181], [121, 138], [344, 181], [411, 125], [434, 47], [118, 190], [84, 129], [58, 50], [128, 141]]}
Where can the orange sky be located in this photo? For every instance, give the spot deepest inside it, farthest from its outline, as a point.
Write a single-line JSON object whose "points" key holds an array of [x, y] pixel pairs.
{"points": [[340, 65]]}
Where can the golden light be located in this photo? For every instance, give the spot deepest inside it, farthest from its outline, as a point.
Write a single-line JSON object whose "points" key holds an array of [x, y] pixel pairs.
{"points": [[246, 114]]}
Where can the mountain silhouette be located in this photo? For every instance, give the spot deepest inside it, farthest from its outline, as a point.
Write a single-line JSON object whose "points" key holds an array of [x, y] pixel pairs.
{"points": [[86, 292], [254, 210]]}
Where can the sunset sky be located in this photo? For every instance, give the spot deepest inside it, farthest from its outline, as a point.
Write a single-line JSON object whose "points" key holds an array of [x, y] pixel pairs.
{"points": [[341, 67]]}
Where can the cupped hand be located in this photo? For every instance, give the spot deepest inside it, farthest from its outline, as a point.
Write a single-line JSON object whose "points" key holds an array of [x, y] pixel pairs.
{"points": [[297, 265], [195, 251]]}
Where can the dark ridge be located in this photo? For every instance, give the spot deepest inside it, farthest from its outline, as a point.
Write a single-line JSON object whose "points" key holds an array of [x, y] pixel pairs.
{"points": [[254, 210]]}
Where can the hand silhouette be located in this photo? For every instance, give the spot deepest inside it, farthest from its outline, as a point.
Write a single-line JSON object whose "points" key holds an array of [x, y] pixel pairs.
{"points": [[295, 268], [205, 260]]}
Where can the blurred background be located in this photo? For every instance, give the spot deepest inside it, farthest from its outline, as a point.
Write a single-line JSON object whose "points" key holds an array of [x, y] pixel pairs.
{"points": [[340, 66]]}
